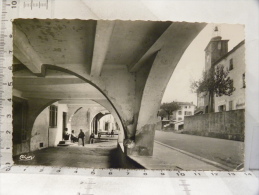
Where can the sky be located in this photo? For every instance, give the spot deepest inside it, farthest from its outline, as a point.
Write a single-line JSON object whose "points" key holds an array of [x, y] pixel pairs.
{"points": [[192, 63]]}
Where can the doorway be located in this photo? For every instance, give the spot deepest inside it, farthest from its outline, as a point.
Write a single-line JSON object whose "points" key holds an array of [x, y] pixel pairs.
{"points": [[64, 126]]}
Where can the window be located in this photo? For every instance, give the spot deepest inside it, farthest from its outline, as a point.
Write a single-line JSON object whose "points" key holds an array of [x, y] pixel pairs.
{"points": [[230, 105], [222, 108], [244, 80], [179, 119], [185, 106], [187, 113], [53, 113], [180, 112], [231, 66], [106, 126]]}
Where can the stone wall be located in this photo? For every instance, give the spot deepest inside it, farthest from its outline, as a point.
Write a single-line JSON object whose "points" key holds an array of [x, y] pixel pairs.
{"points": [[81, 120], [39, 132], [42, 133], [226, 125]]}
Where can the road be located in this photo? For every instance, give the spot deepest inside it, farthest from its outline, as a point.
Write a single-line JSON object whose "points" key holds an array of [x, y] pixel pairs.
{"points": [[226, 152]]}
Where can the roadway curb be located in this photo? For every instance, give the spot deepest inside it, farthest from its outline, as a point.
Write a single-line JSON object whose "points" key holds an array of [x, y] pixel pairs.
{"points": [[198, 157]]}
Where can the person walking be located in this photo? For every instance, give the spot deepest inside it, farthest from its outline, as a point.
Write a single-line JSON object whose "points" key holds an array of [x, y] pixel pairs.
{"points": [[112, 133], [81, 135]]}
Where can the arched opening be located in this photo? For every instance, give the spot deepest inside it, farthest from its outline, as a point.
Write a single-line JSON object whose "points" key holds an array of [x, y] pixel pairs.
{"points": [[95, 124], [51, 118], [44, 112], [58, 118], [111, 107], [104, 125]]}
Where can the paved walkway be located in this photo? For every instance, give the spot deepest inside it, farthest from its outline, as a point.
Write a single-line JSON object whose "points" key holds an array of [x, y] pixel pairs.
{"points": [[103, 155], [166, 158], [99, 155]]}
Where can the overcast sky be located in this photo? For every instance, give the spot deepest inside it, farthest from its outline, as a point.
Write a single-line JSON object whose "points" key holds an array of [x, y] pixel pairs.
{"points": [[192, 63]]}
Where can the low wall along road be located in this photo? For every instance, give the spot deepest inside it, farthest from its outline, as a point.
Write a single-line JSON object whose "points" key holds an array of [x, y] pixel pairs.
{"points": [[225, 125]]}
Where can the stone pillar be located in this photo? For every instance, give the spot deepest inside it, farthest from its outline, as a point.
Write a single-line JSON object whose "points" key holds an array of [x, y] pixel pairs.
{"points": [[151, 83]]}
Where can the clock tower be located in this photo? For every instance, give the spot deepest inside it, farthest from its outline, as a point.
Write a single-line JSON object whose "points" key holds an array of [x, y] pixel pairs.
{"points": [[215, 49]]}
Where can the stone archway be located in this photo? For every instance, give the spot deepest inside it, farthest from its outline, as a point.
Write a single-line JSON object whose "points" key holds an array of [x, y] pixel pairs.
{"points": [[128, 62], [35, 108], [95, 120]]}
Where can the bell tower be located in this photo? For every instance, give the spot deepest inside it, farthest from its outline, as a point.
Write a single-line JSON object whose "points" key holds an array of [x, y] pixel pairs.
{"points": [[215, 49]]}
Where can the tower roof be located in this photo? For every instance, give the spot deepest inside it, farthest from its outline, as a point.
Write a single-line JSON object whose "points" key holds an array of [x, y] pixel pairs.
{"points": [[215, 39]]}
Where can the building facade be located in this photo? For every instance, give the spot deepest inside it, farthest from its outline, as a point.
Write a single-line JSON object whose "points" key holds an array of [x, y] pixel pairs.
{"points": [[186, 109], [234, 62], [216, 54]]}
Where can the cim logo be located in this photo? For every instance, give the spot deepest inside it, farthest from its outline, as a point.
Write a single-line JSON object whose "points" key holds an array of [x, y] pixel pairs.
{"points": [[26, 158]]}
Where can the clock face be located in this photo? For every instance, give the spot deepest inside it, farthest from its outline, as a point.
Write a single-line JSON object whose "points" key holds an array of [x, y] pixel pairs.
{"points": [[208, 58], [219, 46]]}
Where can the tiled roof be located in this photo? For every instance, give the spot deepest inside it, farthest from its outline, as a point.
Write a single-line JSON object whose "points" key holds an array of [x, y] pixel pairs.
{"points": [[185, 103]]}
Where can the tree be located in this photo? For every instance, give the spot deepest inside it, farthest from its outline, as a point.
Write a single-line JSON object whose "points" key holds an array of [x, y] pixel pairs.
{"points": [[168, 108], [162, 113], [213, 82]]}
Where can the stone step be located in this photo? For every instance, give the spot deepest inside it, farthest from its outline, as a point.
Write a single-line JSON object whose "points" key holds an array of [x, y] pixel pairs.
{"points": [[65, 143]]}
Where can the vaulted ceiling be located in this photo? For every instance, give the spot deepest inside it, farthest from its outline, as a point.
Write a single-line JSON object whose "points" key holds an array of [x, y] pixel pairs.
{"points": [[88, 46]]}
